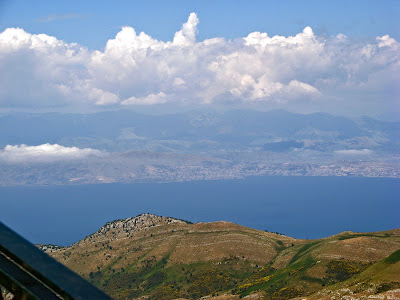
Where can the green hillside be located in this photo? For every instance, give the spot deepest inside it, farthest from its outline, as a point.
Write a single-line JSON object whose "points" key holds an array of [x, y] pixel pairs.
{"points": [[166, 258]]}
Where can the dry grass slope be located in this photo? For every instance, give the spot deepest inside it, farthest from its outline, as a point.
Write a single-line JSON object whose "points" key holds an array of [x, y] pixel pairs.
{"points": [[165, 258]]}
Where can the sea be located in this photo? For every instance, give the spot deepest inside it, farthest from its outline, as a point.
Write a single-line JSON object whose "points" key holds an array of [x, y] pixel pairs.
{"points": [[300, 207]]}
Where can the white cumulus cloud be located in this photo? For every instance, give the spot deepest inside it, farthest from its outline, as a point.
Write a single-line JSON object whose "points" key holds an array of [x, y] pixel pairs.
{"points": [[44, 153], [148, 100], [187, 35], [304, 70]]}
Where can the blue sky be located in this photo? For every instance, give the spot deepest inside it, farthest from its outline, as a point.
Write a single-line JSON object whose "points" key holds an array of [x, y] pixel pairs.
{"points": [[92, 23], [341, 57]]}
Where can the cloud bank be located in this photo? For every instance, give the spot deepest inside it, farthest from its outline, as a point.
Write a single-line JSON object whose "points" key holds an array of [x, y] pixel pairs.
{"points": [[44, 153], [135, 69]]}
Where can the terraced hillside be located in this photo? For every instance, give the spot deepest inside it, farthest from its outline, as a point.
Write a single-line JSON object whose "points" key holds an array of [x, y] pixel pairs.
{"points": [[166, 258]]}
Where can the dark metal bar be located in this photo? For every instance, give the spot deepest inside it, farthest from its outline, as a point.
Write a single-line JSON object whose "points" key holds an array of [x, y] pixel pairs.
{"points": [[29, 273], [21, 283]]}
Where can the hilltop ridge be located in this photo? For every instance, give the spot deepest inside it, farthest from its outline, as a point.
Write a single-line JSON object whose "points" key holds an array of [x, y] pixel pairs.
{"points": [[167, 258], [125, 227]]}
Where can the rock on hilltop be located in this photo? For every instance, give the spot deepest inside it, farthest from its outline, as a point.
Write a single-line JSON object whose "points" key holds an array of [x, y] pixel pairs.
{"points": [[119, 229], [134, 224]]}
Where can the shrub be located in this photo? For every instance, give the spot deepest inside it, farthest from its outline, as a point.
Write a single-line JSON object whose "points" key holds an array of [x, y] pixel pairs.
{"points": [[342, 269], [287, 293], [209, 282], [393, 258], [387, 287], [165, 292], [155, 279]]}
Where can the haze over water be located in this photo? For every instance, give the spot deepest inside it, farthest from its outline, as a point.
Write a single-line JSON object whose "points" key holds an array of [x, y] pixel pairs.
{"points": [[301, 207]]}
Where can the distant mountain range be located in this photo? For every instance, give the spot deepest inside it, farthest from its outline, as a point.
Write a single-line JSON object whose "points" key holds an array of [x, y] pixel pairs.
{"points": [[124, 146], [153, 257], [200, 131]]}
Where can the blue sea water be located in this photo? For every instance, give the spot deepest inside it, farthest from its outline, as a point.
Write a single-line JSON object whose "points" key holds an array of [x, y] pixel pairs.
{"points": [[301, 207]]}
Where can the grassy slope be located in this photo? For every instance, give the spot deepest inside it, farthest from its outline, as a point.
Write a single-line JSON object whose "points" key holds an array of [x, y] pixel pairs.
{"points": [[193, 260], [379, 278]]}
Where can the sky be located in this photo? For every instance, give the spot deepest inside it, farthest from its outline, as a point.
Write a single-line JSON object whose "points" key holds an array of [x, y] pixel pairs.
{"points": [[341, 57]]}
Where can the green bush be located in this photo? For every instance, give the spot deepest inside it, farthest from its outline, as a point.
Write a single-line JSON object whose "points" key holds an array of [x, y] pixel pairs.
{"points": [[342, 269], [165, 292], [287, 293], [209, 282], [393, 258], [387, 287], [155, 279]]}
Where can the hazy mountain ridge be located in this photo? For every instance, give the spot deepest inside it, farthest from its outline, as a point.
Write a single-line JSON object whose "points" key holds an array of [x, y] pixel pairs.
{"points": [[124, 146], [167, 258], [191, 132]]}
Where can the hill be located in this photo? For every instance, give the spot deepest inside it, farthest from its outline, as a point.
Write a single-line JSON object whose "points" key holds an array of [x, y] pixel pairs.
{"points": [[166, 258]]}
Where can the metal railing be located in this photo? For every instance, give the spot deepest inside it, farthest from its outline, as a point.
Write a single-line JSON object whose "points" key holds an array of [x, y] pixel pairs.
{"points": [[29, 273]]}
